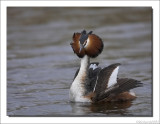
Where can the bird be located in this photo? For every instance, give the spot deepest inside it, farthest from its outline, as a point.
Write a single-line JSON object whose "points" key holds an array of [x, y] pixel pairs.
{"points": [[92, 83]]}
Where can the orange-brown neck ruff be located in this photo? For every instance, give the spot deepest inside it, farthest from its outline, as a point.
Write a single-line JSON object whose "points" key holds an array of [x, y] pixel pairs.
{"points": [[95, 46], [93, 49], [76, 46]]}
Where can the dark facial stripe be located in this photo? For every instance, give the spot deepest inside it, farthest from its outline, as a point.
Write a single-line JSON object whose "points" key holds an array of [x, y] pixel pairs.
{"points": [[84, 36]]}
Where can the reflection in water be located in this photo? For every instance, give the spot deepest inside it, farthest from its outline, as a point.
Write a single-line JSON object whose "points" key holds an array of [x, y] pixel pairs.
{"points": [[108, 109], [79, 108], [41, 64]]}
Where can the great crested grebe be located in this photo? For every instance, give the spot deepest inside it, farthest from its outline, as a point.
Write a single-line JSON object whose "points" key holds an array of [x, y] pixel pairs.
{"points": [[93, 84]]}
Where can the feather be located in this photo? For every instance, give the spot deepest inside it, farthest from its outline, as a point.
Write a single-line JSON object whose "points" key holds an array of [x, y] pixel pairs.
{"points": [[76, 46], [94, 47], [104, 77], [121, 86]]}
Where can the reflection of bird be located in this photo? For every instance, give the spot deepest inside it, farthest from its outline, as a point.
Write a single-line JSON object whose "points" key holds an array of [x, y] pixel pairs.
{"points": [[93, 84]]}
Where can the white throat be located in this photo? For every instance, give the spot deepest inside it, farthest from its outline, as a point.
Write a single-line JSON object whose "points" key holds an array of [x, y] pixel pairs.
{"points": [[77, 88], [84, 65]]}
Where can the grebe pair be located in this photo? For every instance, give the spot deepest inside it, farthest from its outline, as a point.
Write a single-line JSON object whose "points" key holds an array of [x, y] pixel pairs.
{"points": [[93, 84]]}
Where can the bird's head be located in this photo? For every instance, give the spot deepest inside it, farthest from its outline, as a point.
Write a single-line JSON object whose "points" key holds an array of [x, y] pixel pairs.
{"points": [[86, 44]]}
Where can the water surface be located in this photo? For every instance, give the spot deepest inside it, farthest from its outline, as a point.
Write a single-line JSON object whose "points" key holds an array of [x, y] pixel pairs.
{"points": [[41, 64]]}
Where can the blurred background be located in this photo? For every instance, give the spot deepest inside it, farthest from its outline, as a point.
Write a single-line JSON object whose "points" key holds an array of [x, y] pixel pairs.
{"points": [[41, 64]]}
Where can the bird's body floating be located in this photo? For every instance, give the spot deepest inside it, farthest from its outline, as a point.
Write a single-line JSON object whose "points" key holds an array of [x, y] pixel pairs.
{"points": [[93, 84]]}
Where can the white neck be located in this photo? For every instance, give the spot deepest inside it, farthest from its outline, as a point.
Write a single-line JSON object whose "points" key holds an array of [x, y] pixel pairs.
{"points": [[84, 66], [77, 89]]}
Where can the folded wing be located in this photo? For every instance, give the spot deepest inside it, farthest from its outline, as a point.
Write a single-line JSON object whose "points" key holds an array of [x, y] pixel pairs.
{"points": [[106, 77], [107, 84]]}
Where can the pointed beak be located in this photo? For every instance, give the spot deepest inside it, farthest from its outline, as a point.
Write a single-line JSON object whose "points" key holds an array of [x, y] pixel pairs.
{"points": [[81, 47]]}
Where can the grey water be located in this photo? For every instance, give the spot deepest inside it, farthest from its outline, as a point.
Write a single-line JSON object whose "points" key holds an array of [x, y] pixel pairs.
{"points": [[41, 63]]}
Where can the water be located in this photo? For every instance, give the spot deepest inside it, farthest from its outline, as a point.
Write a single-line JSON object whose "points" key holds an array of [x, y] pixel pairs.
{"points": [[41, 64]]}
